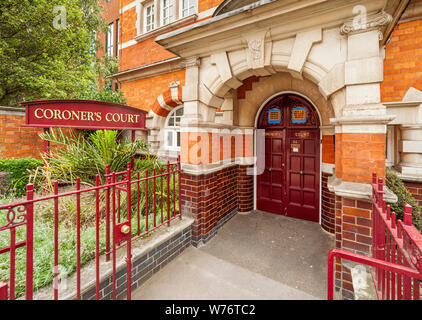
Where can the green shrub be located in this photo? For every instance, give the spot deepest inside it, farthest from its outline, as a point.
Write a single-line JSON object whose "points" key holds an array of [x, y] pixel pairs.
{"points": [[395, 184], [19, 173], [79, 156]]}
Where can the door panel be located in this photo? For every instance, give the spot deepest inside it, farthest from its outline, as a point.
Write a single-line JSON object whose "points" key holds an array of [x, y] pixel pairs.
{"points": [[303, 174], [270, 183]]}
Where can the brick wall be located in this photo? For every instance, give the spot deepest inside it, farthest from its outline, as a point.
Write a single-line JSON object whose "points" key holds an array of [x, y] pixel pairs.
{"points": [[359, 155], [416, 190], [17, 141], [328, 149], [328, 203], [143, 267], [245, 189], [147, 51], [210, 199], [143, 93], [403, 61], [354, 234]]}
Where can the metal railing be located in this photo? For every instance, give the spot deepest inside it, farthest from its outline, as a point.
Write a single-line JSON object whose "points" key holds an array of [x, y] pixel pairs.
{"points": [[122, 195], [396, 251]]}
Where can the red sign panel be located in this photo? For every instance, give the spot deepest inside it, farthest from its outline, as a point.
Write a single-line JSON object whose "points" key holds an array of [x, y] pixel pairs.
{"points": [[83, 114]]}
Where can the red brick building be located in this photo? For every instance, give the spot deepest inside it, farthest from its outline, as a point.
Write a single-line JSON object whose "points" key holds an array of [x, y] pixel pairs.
{"points": [[281, 106]]}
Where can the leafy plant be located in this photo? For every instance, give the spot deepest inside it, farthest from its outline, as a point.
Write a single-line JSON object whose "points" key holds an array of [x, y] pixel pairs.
{"points": [[395, 184], [19, 170], [77, 156]]}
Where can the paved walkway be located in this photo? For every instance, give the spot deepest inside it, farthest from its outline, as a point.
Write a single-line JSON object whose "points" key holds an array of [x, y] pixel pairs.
{"points": [[254, 256]]}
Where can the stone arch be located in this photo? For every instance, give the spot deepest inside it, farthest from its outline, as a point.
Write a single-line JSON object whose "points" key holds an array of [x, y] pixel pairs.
{"points": [[167, 101], [224, 72], [163, 105], [281, 82]]}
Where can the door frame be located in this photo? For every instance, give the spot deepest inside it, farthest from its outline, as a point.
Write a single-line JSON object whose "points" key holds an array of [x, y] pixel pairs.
{"points": [[255, 177]]}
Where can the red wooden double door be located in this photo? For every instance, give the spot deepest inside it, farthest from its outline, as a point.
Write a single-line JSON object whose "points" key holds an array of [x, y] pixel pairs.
{"points": [[290, 182]]}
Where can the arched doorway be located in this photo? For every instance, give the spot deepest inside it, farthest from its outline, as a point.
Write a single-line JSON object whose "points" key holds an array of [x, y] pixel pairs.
{"points": [[290, 183]]}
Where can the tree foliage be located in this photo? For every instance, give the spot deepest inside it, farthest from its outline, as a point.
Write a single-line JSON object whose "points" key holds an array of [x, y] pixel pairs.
{"points": [[47, 48]]}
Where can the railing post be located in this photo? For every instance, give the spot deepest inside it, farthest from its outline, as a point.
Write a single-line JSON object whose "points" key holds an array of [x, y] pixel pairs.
{"points": [[4, 288], [374, 213], [78, 239], [168, 191], [178, 181], [330, 288], [56, 241], [407, 215], [129, 240], [379, 230], [97, 236], [29, 243], [107, 213]]}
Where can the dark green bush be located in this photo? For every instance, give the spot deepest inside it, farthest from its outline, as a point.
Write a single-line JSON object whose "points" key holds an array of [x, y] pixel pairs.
{"points": [[395, 184], [19, 174]]}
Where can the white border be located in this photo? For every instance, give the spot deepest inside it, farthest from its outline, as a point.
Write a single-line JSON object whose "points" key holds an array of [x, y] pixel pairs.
{"points": [[320, 151]]}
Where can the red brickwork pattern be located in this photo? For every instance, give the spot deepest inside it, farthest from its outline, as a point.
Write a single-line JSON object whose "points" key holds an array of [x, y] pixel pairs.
{"points": [[245, 190], [403, 61], [359, 155], [17, 141], [208, 198], [357, 226], [328, 206], [328, 154], [247, 86], [416, 191], [143, 93]]}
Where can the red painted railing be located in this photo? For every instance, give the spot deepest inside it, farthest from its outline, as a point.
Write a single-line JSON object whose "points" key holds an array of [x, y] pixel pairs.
{"points": [[118, 226], [396, 252]]}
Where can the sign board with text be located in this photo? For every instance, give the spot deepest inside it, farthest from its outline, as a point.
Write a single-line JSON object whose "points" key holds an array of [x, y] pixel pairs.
{"points": [[83, 114]]}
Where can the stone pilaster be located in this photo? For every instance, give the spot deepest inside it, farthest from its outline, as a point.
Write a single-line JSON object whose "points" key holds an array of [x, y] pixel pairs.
{"points": [[410, 148]]}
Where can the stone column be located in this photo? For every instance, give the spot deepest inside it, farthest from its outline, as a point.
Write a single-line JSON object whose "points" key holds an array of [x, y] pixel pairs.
{"points": [[361, 130], [360, 141]]}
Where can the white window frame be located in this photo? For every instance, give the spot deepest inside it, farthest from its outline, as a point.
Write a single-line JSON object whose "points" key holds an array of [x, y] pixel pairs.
{"points": [[110, 40], [145, 22], [171, 11], [173, 130], [175, 13], [188, 11]]}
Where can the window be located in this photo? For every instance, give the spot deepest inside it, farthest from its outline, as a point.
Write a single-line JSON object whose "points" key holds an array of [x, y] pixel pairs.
{"points": [[188, 7], [172, 129], [149, 18], [167, 9], [110, 40], [117, 38], [159, 15]]}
